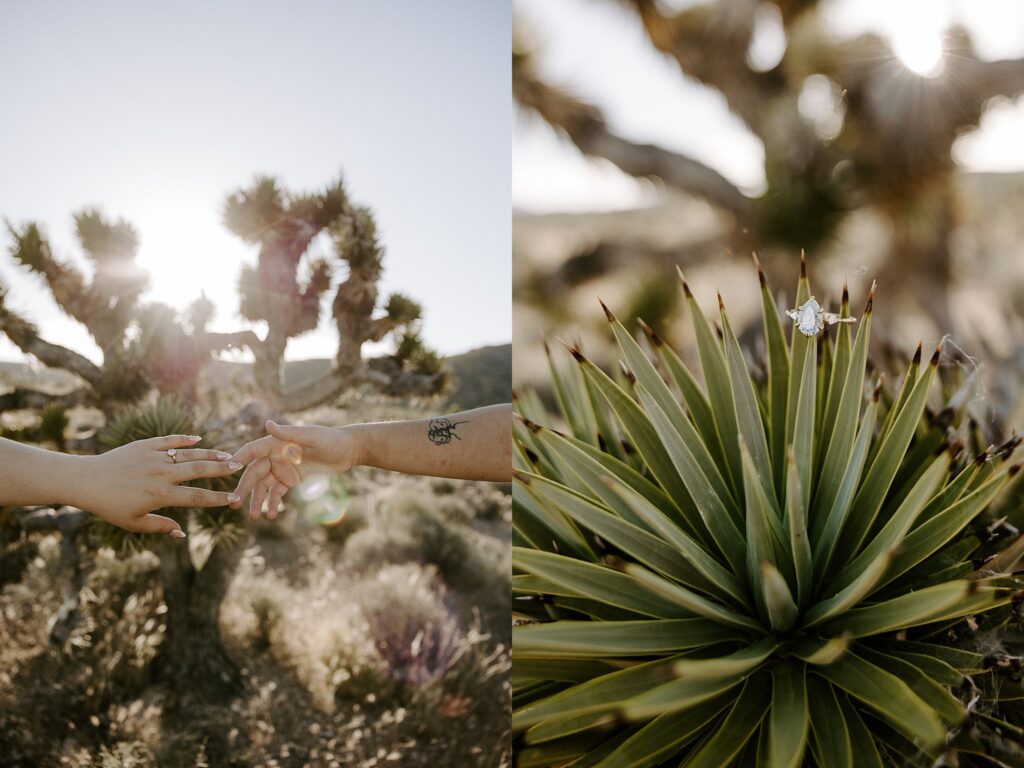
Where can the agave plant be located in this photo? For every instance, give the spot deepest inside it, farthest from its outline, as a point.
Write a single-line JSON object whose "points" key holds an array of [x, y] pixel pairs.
{"points": [[759, 570]]}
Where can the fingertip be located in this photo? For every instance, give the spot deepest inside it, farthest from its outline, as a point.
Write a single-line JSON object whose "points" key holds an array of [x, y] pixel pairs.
{"points": [[177, 533]]}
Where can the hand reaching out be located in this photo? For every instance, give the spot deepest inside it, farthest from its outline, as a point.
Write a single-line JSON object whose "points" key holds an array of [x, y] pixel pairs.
{"points": [[471, 445], [122, 486], [287, 456]]}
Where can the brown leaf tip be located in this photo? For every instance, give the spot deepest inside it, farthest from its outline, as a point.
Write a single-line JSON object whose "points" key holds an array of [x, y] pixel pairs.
{"points": [[981, 458], [577, 354], [846, 293], [935, 355], [686, 286], [655, 339], [803, 265], [917, 354], [877, 394], [760, 272], [871, 298], [521, 476], [1015, 469], [721, 304], [607, 312], [627, 372], [532, 425], [955, 447], [1007, 448], [531, 456]]}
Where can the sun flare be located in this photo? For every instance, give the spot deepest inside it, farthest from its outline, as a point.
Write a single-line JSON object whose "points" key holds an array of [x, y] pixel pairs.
{"points": [[920, 50]]}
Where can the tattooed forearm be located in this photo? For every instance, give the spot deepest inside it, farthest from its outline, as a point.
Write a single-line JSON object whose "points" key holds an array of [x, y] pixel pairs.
{"points": [[441, 431]]}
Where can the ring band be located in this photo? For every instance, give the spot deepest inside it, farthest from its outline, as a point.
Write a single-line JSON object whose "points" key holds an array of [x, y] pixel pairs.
{"points": [[172, 452]]}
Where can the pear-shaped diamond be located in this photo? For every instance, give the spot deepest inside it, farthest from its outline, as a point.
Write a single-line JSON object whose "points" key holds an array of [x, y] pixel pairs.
{"points": [[809, 319]]}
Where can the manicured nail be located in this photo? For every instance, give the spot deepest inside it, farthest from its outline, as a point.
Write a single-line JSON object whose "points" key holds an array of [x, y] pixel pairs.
{"points": [[194, 438], [178, 534], [233, 498], [223, 455], [234, 465]]}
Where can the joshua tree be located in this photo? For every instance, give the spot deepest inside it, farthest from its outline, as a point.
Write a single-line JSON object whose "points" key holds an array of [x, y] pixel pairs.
{"points": [[284, 226], [152, 361], [150, 346], [106, 303], [804, 567], [886, 143]]}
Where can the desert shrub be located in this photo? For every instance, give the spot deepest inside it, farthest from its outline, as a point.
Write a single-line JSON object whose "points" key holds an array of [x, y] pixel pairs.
{"points": [[126, 755], [442, 486], [50, 693], [450, 685], [455, 510], [414, 633]]}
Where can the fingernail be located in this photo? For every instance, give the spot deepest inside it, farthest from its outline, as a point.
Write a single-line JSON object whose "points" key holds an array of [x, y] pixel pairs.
{"points": [[194, 438], [223, 455], [234, 465], [233, 498], [177, 533]]}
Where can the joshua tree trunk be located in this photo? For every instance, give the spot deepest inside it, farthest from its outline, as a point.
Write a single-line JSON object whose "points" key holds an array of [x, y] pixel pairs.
{"points": [[193, 657]]}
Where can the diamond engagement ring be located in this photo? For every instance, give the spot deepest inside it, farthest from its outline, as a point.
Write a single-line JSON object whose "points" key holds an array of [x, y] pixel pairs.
{"points": [[172, 452], [811, 319]]}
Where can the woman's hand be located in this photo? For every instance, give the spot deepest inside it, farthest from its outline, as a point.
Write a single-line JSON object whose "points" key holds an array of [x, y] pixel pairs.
{"points": [[287, 456], [124, 485]]}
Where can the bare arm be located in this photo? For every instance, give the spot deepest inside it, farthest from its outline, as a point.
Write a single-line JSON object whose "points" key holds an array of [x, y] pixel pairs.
{"points": [[121, 486], [30, 475], [471, 445]]}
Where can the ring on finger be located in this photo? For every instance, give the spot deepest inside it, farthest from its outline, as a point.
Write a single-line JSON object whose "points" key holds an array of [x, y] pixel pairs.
{"points": [[172, 453]]}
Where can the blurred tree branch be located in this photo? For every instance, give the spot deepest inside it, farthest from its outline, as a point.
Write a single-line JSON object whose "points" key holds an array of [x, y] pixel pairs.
{"points": [[25, 336], [586, 128]]}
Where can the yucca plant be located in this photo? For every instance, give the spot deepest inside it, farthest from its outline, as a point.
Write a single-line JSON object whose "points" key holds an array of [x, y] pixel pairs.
{"points": [[760, 570]]}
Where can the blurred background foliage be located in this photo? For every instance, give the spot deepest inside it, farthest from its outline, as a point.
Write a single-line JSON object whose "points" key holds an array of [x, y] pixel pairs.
{"points": [[657, 133]]}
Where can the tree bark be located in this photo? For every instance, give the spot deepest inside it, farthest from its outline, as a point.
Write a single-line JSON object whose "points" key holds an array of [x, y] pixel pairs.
{"points": [[192, 658]]}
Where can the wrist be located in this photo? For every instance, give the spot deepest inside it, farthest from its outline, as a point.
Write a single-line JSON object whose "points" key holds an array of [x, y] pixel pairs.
{"points": [[359, 444], [70, 474]]}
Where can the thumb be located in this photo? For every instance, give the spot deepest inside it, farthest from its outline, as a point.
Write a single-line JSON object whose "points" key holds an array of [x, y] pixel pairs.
{"points": [[159, 524], [289, 433]]}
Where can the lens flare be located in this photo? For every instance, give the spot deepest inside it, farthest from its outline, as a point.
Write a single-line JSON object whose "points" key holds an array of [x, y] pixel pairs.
{"points": [[325, 502], [314, 488]]}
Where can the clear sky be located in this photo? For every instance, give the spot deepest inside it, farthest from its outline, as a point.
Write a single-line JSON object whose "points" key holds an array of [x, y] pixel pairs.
{"points": [[599, 49], [155, 111]]}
